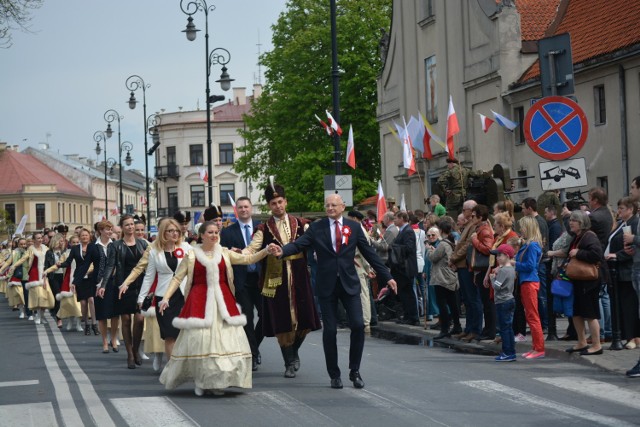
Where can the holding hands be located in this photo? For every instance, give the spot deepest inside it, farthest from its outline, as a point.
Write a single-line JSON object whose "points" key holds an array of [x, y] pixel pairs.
{"points": [[274, 250]]}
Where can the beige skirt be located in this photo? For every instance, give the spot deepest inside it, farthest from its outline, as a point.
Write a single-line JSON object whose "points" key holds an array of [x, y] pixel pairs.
{"points": [[15, 295], [69, 307]]}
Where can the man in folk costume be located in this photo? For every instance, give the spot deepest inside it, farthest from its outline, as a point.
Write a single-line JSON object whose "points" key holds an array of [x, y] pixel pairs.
{"points": [[288, 308]]}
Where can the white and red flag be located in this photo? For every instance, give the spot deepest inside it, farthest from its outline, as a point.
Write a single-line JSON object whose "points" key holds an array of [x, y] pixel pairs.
{"points": [[324, 125], [381, 205], [351, 154], [408, 160], [233, 203], [143, 200], [486, 122], [334, 125], [452, 128], [204, 175]]}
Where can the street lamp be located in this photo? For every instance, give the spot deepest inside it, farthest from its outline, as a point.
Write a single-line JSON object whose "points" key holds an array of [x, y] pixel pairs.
{"points": [[218, 56], [133, 83], [100, 136], [110, 116]]}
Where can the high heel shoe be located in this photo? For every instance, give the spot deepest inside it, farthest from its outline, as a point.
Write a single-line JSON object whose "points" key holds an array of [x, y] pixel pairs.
{"points": [[115, 348], [131, 363], [95, 330], [87, 330]]}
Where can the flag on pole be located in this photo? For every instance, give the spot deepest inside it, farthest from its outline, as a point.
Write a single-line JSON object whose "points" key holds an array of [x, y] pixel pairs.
{"points": [[486, 122], [116, 210], [416, 133], [408, 161], [204, 175], [430, 132], [143, 200], [452, 128], [334, 125], [403, 204], [324, 125], [504, 122], [351, 154], [233, 203], [381, 205]]}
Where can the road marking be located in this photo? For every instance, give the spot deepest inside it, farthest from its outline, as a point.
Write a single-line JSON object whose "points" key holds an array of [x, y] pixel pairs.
{"points": [[387, 405], [152, 411], [39, 414], [527, 399], [96, 409], [294, 411], [66, 403], [596, 389], [18, 383]]}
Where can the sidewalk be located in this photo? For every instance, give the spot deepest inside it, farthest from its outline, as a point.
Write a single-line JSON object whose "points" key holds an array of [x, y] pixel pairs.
{"points": [[613, 361]]}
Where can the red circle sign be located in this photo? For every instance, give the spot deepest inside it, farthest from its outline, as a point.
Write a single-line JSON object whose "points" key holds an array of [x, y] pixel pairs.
{"points": [[555, 128]]}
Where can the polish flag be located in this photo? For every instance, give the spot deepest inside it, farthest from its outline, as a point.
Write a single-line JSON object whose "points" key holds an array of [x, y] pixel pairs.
{"points": [[486, 122], [233, 203], [143, 200], [381, 206], [452, 128], [432, 132], [324, 125], [334, 125], [351, 154], [204, 175], [504, 122], [403, 204], [115, 211], [408, 161]]}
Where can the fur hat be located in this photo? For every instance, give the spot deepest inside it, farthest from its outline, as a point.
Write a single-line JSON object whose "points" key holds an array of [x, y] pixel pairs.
{"points": [[182, 216], [273, 191], [62, 228], [212, 212], [356, 214]]}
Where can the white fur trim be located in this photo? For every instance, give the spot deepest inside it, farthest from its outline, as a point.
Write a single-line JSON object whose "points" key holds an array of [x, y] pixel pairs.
{"points": [[33, 284], [151, 312], [214, 293], [12, 283], [4, 277], [62, 295]]}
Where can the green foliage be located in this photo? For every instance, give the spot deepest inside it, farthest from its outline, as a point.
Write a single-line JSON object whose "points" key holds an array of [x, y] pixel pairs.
{"points": [[15, 14], [283, 136]]}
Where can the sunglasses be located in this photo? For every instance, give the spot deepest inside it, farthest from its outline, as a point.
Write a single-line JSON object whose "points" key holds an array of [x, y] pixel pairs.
{"points": [[431, 235]]}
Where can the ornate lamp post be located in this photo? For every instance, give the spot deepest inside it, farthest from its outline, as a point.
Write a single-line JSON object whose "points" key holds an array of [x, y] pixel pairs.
{"points": [[133, 83], [110, 116], [218, 56], [100, 136]]}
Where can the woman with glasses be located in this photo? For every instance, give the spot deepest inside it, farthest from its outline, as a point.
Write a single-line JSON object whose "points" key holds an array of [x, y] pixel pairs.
{"points": [[212, 348], [482, 241], [166, 254], [433, 240]]}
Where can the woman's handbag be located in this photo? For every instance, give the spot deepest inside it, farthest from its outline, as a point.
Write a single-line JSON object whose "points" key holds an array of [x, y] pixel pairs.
{"points": [[581, 270], [147, 302], [561, 288], [476, 260]]}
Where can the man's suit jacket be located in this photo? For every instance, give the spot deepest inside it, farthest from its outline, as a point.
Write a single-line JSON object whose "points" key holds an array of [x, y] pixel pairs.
{"points": [[332, 265], [233, 237], [406, 243], [601, 224]]}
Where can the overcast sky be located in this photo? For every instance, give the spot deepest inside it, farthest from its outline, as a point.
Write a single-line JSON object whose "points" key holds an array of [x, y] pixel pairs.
{"points": [[60, 79]]}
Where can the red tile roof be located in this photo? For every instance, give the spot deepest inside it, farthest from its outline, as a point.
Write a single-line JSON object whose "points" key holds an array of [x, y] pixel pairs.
{"points": [[17, 170], [535, 17], [597, 28], [230, 112]]}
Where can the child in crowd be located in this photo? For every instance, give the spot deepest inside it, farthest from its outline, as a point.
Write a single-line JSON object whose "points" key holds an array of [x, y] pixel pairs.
{"points": [[502, 280]]}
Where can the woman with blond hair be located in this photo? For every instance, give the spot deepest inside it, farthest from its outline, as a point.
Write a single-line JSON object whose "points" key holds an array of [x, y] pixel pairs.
{"points": [[526, 265], [166, 254], [57, 246]]}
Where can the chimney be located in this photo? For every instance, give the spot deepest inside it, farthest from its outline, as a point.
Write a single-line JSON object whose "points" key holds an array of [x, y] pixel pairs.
{"points": [[257, 91], [239, 96], [3, 146]]}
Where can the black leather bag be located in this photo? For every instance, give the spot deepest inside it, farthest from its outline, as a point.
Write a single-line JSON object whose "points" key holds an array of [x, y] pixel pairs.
{"points": [[147, 302], [476, 260]]}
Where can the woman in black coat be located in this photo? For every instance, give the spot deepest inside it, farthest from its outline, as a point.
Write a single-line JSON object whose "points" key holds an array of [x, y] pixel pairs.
{"points": [[51, 258]]}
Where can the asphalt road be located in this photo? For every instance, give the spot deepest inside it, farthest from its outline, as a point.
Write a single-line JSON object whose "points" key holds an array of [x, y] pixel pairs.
{"points": [[48, 377]]}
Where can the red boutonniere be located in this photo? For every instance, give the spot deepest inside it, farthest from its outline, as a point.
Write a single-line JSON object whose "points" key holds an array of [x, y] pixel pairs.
{"points": [[178, 253], [346, 232]]}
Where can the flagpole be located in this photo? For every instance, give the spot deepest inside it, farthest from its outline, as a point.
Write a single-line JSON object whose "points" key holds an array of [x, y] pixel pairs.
{"points": [[335, 74]]}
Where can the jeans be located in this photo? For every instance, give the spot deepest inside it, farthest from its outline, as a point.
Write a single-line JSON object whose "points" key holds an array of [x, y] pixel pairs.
{"points": [[432, 307], [488, 306], [542, 295], [635, 281], [529, 296], [420, 294], [472, 302], [605, 312], [504, 312]]}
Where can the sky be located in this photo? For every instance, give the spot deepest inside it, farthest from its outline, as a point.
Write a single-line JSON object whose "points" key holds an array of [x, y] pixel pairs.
{"points": [[58, 80]]}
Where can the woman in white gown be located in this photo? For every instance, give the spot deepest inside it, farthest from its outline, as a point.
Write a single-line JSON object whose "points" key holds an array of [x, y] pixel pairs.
{"points": [[212, 349]]}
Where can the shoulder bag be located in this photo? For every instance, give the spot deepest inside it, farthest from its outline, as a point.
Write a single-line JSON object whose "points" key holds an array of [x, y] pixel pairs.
{"points": [[581, 270], [476, 260]]}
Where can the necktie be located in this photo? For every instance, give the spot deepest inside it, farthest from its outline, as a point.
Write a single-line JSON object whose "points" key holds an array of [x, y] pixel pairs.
{"points": [[247, 235], [338, 236]]}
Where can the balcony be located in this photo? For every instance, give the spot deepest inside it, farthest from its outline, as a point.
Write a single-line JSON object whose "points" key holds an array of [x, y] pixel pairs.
{"points": [[169, 171]]}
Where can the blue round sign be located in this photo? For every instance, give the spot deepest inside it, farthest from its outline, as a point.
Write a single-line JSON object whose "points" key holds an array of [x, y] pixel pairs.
{"points": [[556, 128]]}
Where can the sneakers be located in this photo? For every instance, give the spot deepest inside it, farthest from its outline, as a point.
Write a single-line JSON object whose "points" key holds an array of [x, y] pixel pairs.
{"points": [[30, 318], [635, 371], [520, 338], [21, 315], [198, 391], [506, 358], [535, 355]]}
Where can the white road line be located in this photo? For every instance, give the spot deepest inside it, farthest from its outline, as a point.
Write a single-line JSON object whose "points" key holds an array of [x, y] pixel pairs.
{"points": [[294, 411], [152, 412], [521, 398], [96, 409], [388, 406], [596, 389], [39, 414], [66, 403], [18, 383]]}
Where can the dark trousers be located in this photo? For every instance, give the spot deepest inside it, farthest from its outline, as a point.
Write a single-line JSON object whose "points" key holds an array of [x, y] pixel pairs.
{"points": [[488, 306], [25, 292], [505, 312], [249, 297], [353, 308], [542, 295], [471, 301], [447, 298], [519, 320], [407, 297], [55, 283]]}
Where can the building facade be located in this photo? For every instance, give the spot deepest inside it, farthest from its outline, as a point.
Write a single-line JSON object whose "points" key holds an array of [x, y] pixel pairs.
{"points": [[484, 55]]}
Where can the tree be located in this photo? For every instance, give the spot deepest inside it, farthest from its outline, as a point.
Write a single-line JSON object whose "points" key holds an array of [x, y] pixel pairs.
{"points": [[283, 137], [15, 12]]}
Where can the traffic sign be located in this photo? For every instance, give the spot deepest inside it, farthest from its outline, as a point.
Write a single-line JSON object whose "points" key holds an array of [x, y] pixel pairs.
{"points": [[555, 128], [564, 174]]}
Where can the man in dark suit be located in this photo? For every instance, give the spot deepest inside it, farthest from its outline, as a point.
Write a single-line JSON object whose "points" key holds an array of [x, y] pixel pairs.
{"points": [[334, 240], [405, 270], [245, 277]]}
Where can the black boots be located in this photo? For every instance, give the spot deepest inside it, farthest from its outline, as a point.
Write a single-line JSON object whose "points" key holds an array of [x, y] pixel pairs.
{"points": [[288, 354], [296, 346]]}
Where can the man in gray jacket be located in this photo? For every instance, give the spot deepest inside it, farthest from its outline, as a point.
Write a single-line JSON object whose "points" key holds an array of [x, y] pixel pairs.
{"points": [[382, 245]]}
